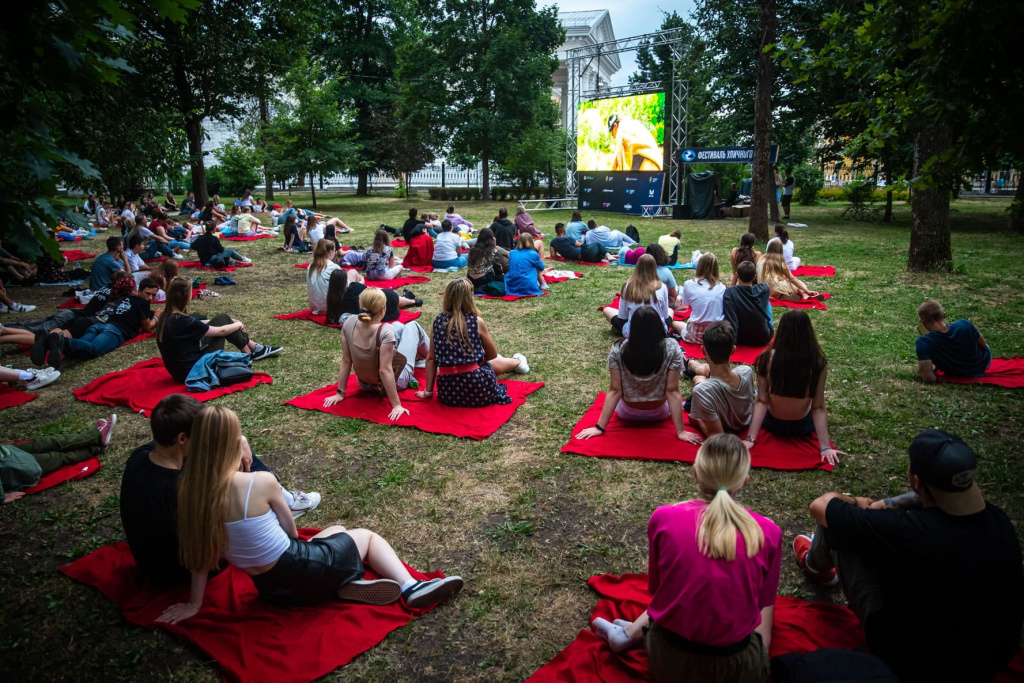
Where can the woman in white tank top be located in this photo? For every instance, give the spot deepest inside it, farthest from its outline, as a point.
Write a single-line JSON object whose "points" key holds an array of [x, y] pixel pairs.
{"points": [[242, 517]]}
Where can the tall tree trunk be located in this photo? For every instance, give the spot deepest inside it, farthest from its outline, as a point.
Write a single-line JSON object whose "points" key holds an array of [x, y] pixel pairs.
{"points": [[264, 120], [763, 124], [194, 132], [1017, 208], [930, 248], [361, 186], [312, 188], [485, 167]]}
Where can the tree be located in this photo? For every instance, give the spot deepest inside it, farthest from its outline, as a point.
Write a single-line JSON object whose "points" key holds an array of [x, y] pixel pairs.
{"points": [[537, 150], [239, 166], [486, 66], [764, 179]]}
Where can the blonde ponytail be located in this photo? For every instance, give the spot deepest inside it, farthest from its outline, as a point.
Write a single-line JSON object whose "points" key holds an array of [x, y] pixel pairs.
{"points": [[722, 465], [371, 302]]}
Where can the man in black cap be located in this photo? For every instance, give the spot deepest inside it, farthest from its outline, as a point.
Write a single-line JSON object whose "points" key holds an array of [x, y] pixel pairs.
{"points": [[934, 575]]}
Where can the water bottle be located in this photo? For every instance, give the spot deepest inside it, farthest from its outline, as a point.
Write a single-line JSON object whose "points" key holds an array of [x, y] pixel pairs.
{"points": [[414, 384]]}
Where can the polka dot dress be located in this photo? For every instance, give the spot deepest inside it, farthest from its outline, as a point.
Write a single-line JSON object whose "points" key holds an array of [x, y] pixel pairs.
{"points": [[474, 389]]}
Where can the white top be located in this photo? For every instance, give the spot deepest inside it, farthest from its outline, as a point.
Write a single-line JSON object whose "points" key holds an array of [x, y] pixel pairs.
{"points": [[127, 213], [135, 261], [659, 302], [316, 234], [316, 286], [245, 202], [705, 304], [255, 541], [447, 246], [787, 252]]}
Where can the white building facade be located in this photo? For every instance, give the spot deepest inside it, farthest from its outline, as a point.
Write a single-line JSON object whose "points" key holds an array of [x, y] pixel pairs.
{"points": [[582, 29]]}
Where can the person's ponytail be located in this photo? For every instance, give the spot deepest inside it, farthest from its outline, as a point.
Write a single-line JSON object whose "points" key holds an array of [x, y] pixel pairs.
{"points": [[722, 465]]}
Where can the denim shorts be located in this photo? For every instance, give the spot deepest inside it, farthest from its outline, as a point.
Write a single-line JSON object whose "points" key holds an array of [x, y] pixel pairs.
{"points": [[311, 572]]}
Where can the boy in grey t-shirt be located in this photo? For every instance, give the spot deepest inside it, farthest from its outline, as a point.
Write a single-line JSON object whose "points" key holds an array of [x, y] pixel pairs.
{"points": [[723, 398]]}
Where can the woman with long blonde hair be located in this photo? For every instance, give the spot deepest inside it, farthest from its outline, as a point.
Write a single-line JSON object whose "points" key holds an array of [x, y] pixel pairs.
{"points": [[184, 339], [643, 288], [703, 294], [713, 573], [368, 346], [463, 358], [318, 275], [773, 271], [225, 513], [381, 263]]}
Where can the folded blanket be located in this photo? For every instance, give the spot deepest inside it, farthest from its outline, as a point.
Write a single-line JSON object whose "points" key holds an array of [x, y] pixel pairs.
{"points": [[1003, 372], [742, 354], [399, 242], [806, 303], [238, 238], [660, 443], [815, 271], [199, 266], [682, 314], [561, 276], [404, 316], [11, 397], [428, 415], [76, 254], [251, 640], [144, 384], [80, 470], [582, 263], [397, 282]]}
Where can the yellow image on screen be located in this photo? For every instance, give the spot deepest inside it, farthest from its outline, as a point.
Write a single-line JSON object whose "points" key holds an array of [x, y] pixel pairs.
{"points": [[621, 134]]}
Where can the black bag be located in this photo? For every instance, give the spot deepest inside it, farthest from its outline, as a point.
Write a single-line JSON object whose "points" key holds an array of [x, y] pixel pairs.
{"points": [[231, 371], [632, 233], [830, 665]]}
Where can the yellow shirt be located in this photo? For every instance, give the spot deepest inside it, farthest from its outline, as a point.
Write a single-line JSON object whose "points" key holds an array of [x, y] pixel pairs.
{"points": [[633, 139]]}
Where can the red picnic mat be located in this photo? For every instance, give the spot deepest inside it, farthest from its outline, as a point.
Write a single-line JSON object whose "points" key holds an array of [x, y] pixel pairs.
{"points": [[11, 397], [1003, 372], [79, 470], [397, 282], [76, 254], [806, 303], [144, 384], [404, 316], [742, 354], [158, 259], [252, 640], [428, 415], [199, 266], [399, 242], [419, 269], [659, 441], [815, 271]]}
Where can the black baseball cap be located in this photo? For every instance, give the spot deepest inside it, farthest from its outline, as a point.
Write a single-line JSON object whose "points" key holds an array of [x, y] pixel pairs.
{"points": [[947, 466]]}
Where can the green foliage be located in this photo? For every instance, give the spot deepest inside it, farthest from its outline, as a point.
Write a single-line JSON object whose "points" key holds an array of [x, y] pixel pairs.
{"points": [[538, 151], [239, 166], [809, 182], [861, 195]]}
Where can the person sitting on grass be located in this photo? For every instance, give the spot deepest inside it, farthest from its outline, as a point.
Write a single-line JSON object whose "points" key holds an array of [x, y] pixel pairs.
{"points": [[675, 299], [318, 275], [744, 252], [896, 559], [412, 226], [30, 379], [504, 230], [24, 464], [605, 236], [463, 358], [644, 373], [525, 275], [149, 491], [15, 270], [629, 257], [169, 202], [294, 235], [723, 397], [576, 228], [713, 575], [671, 244], [381, 263], [183, 339], [421, 251], [571, 249], [748, 308], [448, 249], [703, 294], [243, 517], [368, 346], [343, 292], [643, 288], [212, 253], [956, 349], [9, 305], [791, 377], [249, 225], [156, 246], [487, 264], [782, 236], [773, 271], [458, 222], [138, 268], [524, 224], [105, 265]]}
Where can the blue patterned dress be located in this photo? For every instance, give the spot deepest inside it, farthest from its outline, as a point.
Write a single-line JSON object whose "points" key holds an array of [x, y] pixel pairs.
{"points": [[474, 389]]}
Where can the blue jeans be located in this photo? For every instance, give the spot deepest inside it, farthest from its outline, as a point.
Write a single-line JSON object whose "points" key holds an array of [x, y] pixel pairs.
{"points": [[156, 250], [100, 339], [283, 216], [223, 259], [177, 244], [432, 233], [454, 263]]}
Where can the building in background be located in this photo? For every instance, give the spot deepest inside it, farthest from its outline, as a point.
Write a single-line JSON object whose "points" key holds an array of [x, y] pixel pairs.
{"points": [[582, 29]]}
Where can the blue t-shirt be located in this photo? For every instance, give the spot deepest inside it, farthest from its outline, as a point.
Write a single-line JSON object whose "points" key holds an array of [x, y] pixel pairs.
{"points": [[521, 279], [956, 351], [566, 248], [575, 230], [103, 269], [667, 278]]}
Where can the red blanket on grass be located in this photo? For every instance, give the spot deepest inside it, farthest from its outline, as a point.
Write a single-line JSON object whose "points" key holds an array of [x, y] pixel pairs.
{"points": [[806, 303], [399, 242], [815, 271], [682, 314], [144, 384], [397, 282], [251, 640], [238, 238], [418, 269], [428, 415], [199, 266], [80, 470], [550, 279], [11, 397], [404, 316], [742, 354], [1003, 372], [158, 259], [76, 254], [582, 263], [660, 443]]}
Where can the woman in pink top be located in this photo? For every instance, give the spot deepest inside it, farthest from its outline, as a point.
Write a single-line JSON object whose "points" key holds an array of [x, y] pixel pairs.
{"points": [[713, 572]]}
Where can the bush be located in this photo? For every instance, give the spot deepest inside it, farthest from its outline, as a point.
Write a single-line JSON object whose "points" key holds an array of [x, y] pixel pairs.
{"points": [[861, 195], [897, 195], [831, 194], [809, 182]]}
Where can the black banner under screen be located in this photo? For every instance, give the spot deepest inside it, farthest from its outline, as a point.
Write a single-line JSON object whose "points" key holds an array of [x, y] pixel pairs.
{"points": [[619, 191]]}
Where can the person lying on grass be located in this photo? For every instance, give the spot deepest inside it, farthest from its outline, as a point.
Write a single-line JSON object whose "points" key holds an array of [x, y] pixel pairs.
{"points": [[644, 370], [957, 349], [463, 359], [713, 575], [242, 517], [791, 377], [723, 397], [773, 271], [571, 249]]}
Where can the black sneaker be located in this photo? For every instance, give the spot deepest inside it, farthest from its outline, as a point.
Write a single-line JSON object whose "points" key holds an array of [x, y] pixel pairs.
{"points": [[266, 352], [687, 372], [38, 352], [408, 294], [426, 593], [56, 350]]}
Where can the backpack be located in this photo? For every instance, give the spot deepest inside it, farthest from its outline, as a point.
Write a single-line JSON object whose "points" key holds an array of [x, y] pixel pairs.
{"points": [[632, 233]]}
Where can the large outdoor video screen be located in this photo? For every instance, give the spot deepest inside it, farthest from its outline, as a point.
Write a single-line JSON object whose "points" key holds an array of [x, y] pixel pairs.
{"points": [[621, 134]]}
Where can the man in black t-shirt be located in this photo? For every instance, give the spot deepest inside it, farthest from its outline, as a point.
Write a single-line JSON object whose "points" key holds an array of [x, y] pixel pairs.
{"points": [[211, 252], [149, 490], [413, 227], [748, 308], [934, 575], [504, 230]]}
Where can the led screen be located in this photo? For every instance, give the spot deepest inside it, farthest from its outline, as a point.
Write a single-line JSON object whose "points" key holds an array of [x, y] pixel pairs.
{"points": [[621, 134]]}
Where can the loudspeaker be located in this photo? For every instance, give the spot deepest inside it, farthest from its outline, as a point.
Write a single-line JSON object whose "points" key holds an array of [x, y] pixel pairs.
{"points": [[681, 212]]}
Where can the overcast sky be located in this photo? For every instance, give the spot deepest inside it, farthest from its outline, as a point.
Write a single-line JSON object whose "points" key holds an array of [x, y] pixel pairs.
{"points": [[631, 18]]}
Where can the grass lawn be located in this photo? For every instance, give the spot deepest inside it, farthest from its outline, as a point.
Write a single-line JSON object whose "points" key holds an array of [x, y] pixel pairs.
{"points": [[523, 524]]}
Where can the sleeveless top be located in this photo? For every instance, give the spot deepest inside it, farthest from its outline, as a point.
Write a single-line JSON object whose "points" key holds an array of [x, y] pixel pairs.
{"points": [[255, 541]]}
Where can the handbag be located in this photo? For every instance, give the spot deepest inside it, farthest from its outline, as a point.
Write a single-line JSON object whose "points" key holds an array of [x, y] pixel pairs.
{"points": [[398, 363], [231, 372]]}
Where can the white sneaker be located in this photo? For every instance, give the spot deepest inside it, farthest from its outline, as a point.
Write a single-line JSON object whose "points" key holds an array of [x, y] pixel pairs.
{"points": [[4, 309], [545, 286], [304, 502], [21, 308], [246, 260], [42, 378], [523, 367], [179, 257]]}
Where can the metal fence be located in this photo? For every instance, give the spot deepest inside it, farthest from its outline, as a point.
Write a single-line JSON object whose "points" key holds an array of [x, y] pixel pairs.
{"points": [[432, 175]]}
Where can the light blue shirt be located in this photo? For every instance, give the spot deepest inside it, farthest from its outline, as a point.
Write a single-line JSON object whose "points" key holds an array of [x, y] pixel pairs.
{"points": [[103, 269]]}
